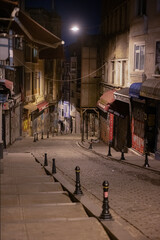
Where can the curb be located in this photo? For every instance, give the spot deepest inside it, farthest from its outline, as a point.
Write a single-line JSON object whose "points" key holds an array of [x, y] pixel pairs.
{"points": [[116, 228], [114, 159]]}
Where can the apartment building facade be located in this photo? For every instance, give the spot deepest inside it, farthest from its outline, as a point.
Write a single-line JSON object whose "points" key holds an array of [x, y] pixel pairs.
{"points": [[131, 33], [27, 109]]}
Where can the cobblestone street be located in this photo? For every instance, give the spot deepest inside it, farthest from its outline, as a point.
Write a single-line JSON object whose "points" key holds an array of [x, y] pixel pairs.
{"points": [[134, 192]]}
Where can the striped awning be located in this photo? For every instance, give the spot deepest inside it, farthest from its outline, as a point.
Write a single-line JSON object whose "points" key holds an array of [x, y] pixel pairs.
{"points": [[151, 88], [106, 100]]}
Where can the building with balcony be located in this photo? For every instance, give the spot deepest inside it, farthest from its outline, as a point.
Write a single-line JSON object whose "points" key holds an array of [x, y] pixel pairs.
{"points": [[24, 46], [130, 52]]}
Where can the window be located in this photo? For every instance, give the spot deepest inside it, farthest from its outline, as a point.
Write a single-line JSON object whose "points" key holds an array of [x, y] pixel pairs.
{"points": [[73, 64], [35, 82], [119, 72], [113, 71], [28, 56], [157, 62], [141, 7], [34, 55], [158, 5], [72, 94], [158, 52], [139, 52], [18, 44], [27, 81]]}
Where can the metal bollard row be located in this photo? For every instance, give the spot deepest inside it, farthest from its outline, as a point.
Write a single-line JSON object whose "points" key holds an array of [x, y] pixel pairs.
{"points": [[34, 135], [78, 190], [53, 166], [105, 215], [45, 160]]}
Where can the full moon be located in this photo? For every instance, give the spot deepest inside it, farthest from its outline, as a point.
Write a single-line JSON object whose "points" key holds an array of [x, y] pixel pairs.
{"points": [[75, 28]]}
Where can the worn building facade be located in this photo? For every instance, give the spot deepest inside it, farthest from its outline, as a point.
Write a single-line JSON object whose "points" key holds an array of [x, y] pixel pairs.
{"points": [[23, 65], [130, 53]]}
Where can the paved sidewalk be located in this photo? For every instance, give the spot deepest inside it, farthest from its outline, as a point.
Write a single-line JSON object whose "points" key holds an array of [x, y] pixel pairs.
{"points": [[132, 157], [34, 206]]}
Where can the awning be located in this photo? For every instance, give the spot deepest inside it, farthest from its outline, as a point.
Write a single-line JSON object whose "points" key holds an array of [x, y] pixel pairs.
{"points": [[122, 95], [119, 108], [134, 90], [106, 100], [31, 107], [41, 106], [33, 31], [151, 88], [8, 84]]}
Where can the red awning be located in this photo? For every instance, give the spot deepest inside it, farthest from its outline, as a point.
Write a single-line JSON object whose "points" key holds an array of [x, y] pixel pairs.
{"points": [[106, 100], [8, 84], [41, 106]]}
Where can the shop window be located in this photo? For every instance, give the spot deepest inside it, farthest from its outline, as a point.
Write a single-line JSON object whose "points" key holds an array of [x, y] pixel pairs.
{"points": [[139, 54]]}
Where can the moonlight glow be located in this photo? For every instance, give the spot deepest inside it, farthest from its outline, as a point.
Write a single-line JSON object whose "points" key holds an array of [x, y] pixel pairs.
{"points": [[75, 29]]}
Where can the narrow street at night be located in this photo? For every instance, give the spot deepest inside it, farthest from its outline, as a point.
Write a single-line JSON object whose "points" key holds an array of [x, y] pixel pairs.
{"points": [[133, 191]]}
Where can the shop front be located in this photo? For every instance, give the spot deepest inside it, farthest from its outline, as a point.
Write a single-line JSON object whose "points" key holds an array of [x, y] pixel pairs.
{"points": [[138, 106], [150, 90], [106, 118], [120, 108]]}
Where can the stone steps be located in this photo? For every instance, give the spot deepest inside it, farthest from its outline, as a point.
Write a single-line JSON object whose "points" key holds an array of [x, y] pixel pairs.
{"points": [[34, 206]]}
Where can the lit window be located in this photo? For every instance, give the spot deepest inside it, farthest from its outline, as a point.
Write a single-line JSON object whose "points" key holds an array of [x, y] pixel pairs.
{"points": [[139, 52]]}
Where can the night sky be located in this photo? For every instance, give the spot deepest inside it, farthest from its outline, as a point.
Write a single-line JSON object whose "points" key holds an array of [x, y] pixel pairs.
{"points": [[85, 13]]}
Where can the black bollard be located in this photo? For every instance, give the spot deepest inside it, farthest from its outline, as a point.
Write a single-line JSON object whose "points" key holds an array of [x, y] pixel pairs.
{"points": [[48, 134], [53, 166], [90, 146], [146, 164], [78, 190], [37, 136], [105, 215], [122, 154], [42, 135], [34, 137], [109, 150], [45, 160]]}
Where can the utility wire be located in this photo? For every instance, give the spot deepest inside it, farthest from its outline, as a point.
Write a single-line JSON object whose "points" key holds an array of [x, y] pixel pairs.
{"points": [[67, 80]]}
